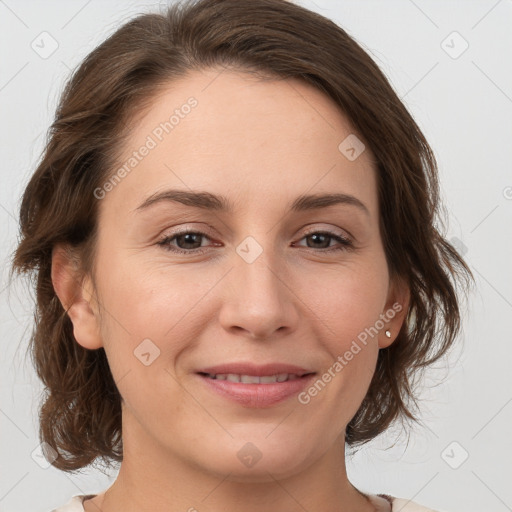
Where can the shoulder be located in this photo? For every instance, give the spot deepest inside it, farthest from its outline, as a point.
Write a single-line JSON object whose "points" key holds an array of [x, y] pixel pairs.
{"points": [[404, 505], [74, 504], [388, 503]]}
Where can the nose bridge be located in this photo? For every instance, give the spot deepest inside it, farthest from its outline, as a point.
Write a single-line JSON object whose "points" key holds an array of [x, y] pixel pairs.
{"points": [[260, 301], [258, 269]]}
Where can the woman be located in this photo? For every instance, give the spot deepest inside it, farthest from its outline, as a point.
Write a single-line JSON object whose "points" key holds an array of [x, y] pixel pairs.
{"points": [[238, 273]]}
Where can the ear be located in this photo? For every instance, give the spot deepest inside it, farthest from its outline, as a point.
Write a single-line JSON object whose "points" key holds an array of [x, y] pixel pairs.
{"points": [[395, 311], [75, 293]]}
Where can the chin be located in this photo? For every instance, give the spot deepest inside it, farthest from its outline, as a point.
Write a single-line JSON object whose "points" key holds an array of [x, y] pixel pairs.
{"points": [[259, 460]]}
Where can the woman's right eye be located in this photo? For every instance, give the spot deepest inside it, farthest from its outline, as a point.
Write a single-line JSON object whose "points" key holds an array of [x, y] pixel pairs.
{"points": [[183, 238]]}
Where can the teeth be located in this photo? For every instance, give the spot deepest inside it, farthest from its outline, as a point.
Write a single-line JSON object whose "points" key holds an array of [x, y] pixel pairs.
{"points": [[268, 379], [249, 379], [253, 379]]}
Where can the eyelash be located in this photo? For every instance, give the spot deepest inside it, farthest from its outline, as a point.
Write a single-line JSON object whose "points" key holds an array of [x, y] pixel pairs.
{"points": [[345, 243]]}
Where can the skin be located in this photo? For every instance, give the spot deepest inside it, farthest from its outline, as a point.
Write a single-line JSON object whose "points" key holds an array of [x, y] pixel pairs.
{"points": [[260, 144]]}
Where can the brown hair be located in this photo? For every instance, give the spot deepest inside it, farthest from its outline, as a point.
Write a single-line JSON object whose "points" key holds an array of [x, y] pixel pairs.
{"points": [[80, 416]]}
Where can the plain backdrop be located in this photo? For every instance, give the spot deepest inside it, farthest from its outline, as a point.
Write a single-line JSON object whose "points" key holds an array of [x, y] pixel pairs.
{"points": [[451, 64]]}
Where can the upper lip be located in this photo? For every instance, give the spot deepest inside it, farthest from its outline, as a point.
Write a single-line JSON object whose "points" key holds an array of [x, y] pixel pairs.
{"points": [[254, 369]]}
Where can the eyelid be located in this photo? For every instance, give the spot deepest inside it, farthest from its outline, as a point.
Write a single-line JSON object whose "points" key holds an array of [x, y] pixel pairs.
{"points": [[173, 231], [331, 230]]}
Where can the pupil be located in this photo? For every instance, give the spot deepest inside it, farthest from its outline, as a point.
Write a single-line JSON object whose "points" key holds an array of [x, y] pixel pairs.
{"points": [[316, 236], [186, 237]]}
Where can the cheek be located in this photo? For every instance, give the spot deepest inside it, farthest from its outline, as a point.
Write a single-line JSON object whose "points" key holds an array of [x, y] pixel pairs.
{"points": [[345, 307], [147, 323], [347, 298], [163, 304]]}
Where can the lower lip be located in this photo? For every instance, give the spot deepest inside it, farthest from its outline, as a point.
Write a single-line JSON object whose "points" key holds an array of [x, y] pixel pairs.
{"points": [[258, 395]]}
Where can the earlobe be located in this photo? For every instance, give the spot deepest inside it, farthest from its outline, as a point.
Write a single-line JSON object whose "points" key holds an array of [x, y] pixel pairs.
{"points": [[394, 312], [75, 294]]}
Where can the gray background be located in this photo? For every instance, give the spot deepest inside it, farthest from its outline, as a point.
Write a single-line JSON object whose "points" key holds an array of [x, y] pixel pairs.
{"points": [[463, 102]]}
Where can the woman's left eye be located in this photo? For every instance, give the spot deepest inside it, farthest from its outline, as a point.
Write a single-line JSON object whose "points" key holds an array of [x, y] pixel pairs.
{"points": [[193, 238], [320, 237]]}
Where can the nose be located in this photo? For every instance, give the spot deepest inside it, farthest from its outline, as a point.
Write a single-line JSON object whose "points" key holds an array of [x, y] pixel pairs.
{"points": [[258, 299]]}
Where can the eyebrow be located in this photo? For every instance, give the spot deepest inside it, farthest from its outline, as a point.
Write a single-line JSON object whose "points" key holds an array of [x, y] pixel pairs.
{"points": [[219, 203]]}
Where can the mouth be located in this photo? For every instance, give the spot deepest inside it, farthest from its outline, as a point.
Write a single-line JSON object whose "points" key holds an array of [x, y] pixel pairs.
{"points": [[254, 390]]}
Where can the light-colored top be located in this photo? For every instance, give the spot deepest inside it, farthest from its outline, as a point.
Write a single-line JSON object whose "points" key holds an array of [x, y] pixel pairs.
{"points": [[382, 502]]}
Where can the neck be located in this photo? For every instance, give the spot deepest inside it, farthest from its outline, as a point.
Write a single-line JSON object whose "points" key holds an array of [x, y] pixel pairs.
{"points": [[152, 479]]}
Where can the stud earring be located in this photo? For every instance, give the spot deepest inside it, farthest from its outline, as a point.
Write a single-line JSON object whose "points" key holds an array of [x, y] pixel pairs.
{"points": [[388, 333]]}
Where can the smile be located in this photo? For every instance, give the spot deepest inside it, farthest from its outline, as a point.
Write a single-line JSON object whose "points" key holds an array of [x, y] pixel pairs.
{"points": [[253, 391]]}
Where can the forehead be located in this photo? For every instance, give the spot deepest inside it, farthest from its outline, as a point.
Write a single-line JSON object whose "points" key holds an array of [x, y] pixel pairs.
{"points": [[256, 141]]}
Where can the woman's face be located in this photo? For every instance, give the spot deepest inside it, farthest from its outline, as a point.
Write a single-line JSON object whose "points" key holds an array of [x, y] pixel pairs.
{"points": [[264, 280]]}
